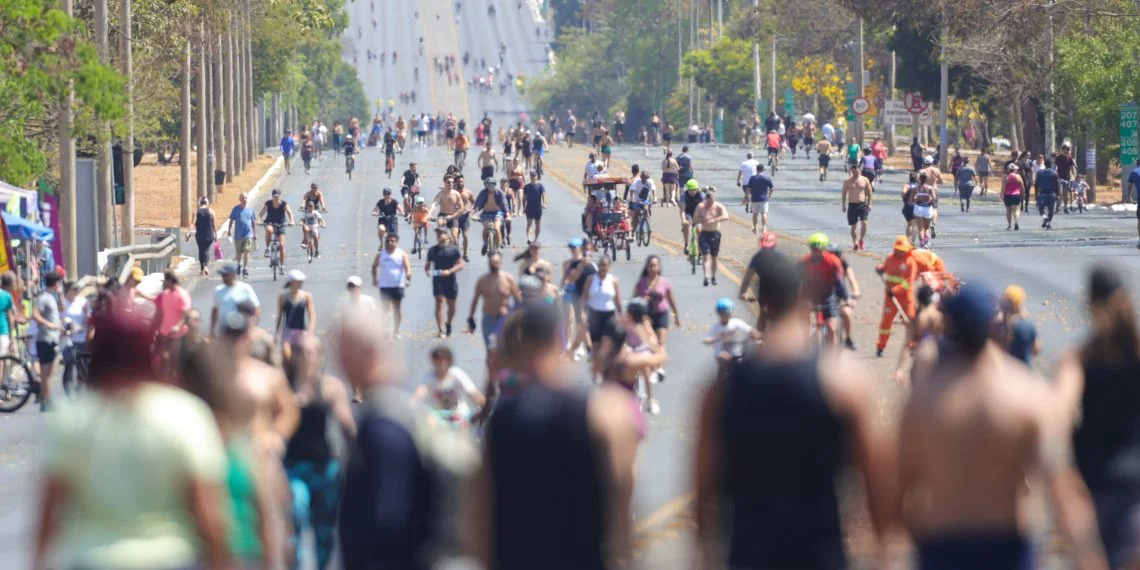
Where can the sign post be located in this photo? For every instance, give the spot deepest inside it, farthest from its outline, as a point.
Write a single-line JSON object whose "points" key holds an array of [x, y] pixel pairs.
{"points": [[1129, 145], [849, 96], [860, 105], [762, 108], [789, 102]]}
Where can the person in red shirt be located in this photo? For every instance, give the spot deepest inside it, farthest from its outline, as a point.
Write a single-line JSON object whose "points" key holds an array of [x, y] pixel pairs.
{"points": [[824, 283]]}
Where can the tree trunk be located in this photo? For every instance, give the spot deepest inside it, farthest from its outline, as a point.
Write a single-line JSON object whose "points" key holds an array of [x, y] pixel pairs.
{"points": [[239, 91], [1014, 128], [204, 173], [66, 211], [251, 112], [1031, 125], [103, 183], [227, 88], [221, 157], [128, 156], [184, 151]]}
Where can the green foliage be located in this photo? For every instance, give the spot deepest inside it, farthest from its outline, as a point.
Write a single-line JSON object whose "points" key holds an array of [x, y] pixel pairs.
{"points": [[585, 77], [725, 71], [38, 60]]}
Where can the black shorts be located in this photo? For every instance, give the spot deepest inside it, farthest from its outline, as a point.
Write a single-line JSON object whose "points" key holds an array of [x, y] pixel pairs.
{"points": [[773, 152], [391, 225], [1016, 201], [534, 215], [45, 351], [808, 142], [599, 324], [392, 293], [709, 243], [447, 287], [449, 134], [908, 212], [486, 172], [597, 139], [570, 135], [824, 160], [857, 211], [667, 137], [659, 320], [464, 222], [868, 174]]}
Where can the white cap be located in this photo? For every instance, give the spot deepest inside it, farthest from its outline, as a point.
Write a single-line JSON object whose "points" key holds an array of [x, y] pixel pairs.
{"points": [[295, 275], [355, 281], [928, 160]]}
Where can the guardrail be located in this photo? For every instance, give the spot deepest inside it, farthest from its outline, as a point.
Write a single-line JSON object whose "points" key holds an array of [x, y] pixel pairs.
{"points": [[152, 257]]}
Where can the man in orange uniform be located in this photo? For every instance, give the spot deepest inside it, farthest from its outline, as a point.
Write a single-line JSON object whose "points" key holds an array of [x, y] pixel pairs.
{"points": [[932, 271], [899, 271]]}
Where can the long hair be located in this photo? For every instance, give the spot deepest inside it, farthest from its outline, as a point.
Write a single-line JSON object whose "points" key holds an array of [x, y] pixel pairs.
{"points": [[1114, 337], [650, 259]]}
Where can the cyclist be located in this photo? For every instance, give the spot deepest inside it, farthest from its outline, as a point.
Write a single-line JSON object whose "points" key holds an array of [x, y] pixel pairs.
{"points": [[462, 143], [772, 143], [311, 222], [390, 143], [709, 214], [846, 311], [274, 213], [350, 151], [421, 214], [315, 197], [824, 282], [538, 145], [410, 186], [491, 205], [287, 147], [690, 199], [448, 390], [640, 196], [387, 211]]}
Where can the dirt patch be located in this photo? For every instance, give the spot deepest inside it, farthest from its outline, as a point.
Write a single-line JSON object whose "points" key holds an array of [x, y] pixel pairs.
{"points": [[158, 189]]}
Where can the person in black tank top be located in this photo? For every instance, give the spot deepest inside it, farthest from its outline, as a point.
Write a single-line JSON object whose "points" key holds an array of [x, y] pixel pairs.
{"points": [[311, 459], [771, 443], [554, 491], [204, 234], [276, 212]]}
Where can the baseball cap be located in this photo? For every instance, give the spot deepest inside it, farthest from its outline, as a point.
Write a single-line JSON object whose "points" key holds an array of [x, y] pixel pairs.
{"points": [[928, 160], [574, 242], [355, 281], [229, 268], [295, 275]]}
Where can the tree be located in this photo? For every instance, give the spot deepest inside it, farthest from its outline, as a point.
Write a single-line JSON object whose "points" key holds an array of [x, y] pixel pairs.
{"points": [[725, 71], [814, 76], [37, 61]]}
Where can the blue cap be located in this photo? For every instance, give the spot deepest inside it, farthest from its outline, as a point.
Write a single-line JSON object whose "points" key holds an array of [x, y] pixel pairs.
{"points": [[724, 305], [574, 242], [972, 309]]}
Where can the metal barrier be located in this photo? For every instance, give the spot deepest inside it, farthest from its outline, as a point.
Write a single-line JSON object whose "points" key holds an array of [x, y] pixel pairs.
{"points": [[152, 257]]}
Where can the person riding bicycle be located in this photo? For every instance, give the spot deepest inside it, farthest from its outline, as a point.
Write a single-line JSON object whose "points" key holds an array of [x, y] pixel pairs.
{"points": [[410, 185], [274, 214], [824, 282], [421, 215], [491, 203], [691, 198], [388, 212], [311, 223], [350, 151], [640, 195], [772, 142], [461, 143], [315, 197], [846, 311], [390, 142], [449, 391]]}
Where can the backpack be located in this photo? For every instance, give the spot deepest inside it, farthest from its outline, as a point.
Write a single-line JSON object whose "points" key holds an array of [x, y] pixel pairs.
{"points": [[448, 459]]}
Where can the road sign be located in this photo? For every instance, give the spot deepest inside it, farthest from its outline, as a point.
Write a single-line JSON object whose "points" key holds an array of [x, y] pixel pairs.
{"points": [[1090, 160], [789, 102], [762, 107], [895, 113], [914, 103], [926, 117], [860, 105], [1129, 145]]}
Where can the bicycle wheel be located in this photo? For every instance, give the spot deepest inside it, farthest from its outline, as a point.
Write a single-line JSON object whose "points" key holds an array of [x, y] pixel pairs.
{"points": [[17, 385], [273, 266], [628, 246]]}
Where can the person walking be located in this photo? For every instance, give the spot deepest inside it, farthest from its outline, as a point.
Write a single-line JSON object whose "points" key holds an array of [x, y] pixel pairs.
{"points": [[603, 301], [965, 180], [296, 311], [241, 227], [1048, 185], [48, 330], [533, 202], [1012, 194], [444, 261], [392, 274], [230, 296], [205, 235], [899, 271]]}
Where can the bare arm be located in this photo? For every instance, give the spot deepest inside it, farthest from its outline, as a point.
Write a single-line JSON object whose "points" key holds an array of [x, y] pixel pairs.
{"points": [[617, 295], [312, 308], [55, 497], [375, 266], [339, 401], [707, 474], [475, 298], [204, 501]]}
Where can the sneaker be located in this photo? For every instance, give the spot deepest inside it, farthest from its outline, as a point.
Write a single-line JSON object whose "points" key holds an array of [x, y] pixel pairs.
{"points": [[1016, 226], [245, 274], [686, 252], [318, 254], [465, 258], [850, 344], [265, 253], [658, 375], [442, 334], [933, 233], [706, 281], [398, 336], [714, 281], [878, 352], [447, 330], [484, 251], [654, 408]]}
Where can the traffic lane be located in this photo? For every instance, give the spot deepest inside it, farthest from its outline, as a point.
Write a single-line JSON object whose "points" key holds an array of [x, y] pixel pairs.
{"points": [[19, 482]]}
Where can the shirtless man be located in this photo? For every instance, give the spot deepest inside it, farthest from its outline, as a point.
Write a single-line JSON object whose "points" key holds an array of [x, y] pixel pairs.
{"points": [[463, 221], [669, 172], [515, 181], [824, 150], [709, 215], [450, 204], [856, 200], [976, 425], [487, 161], [500, 292]]}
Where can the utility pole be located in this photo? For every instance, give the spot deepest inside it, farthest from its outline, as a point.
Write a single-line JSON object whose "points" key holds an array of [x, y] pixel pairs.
{"points": [[128, 148], [862, 86], [756, 65], [221, 162], [204, 173], [184, 150], [1050, 104], [773, 104], [227, 87], [944, 97], [254, 146], [66, 211], [719, 33], [103, 199], [891, 97]]}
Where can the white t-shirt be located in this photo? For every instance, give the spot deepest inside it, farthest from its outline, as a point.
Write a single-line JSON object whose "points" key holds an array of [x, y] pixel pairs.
{"points": [[730, 337], [423, 124], [591, 170], [451, 393], [361, 304], [639, 185], [748, 169]]}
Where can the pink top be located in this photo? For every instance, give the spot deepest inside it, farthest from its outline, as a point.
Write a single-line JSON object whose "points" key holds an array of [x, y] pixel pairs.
{"points": [[1012, 186], [174, 304], [658, 296]]}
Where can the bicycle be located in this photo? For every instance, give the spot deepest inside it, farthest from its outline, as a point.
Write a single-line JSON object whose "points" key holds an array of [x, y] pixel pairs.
{"points": [[460, 159], [76, 363], [275, 250], [20, 382], [309, 248], [493, 244], [644, 233], [349, 164], [538, 165], [389, 165], [420, 239], [696, 256], [773, 162], [820, 331]]}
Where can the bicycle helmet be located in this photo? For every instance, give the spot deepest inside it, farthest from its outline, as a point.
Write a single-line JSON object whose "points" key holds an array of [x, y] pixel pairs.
{"points": [[724, 305], [836, 249], [574, 242], [692, 185], [419, 199], [818, 240]]}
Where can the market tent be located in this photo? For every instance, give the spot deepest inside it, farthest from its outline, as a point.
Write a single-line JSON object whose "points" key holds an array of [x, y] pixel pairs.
{"points": [[19, 228]]}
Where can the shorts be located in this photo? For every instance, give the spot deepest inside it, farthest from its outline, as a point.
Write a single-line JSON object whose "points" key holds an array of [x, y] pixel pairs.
{"points": [[5, 344], [447, 287], [760, 207], [1015, 200], [773, 152], [314, 230], [45, 352], [857, 211], [924, 212], [491, 325], [450, 133], [908, 212], [597, 139], [868, 173], [486, 172], [824, 160], [667, 137], [489, 216], [569, 135], [395, 294], [421, 134], [391, 225], [829, 307], [659, 320], [514, 184], [292, 336], [534, 215], [808, 142], [965, 192], [599, 324], [242, 247], [709, 243], [668, 177]]}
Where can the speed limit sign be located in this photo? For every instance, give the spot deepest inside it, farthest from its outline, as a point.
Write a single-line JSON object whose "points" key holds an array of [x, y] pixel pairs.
{"points": [[860, 105]]}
